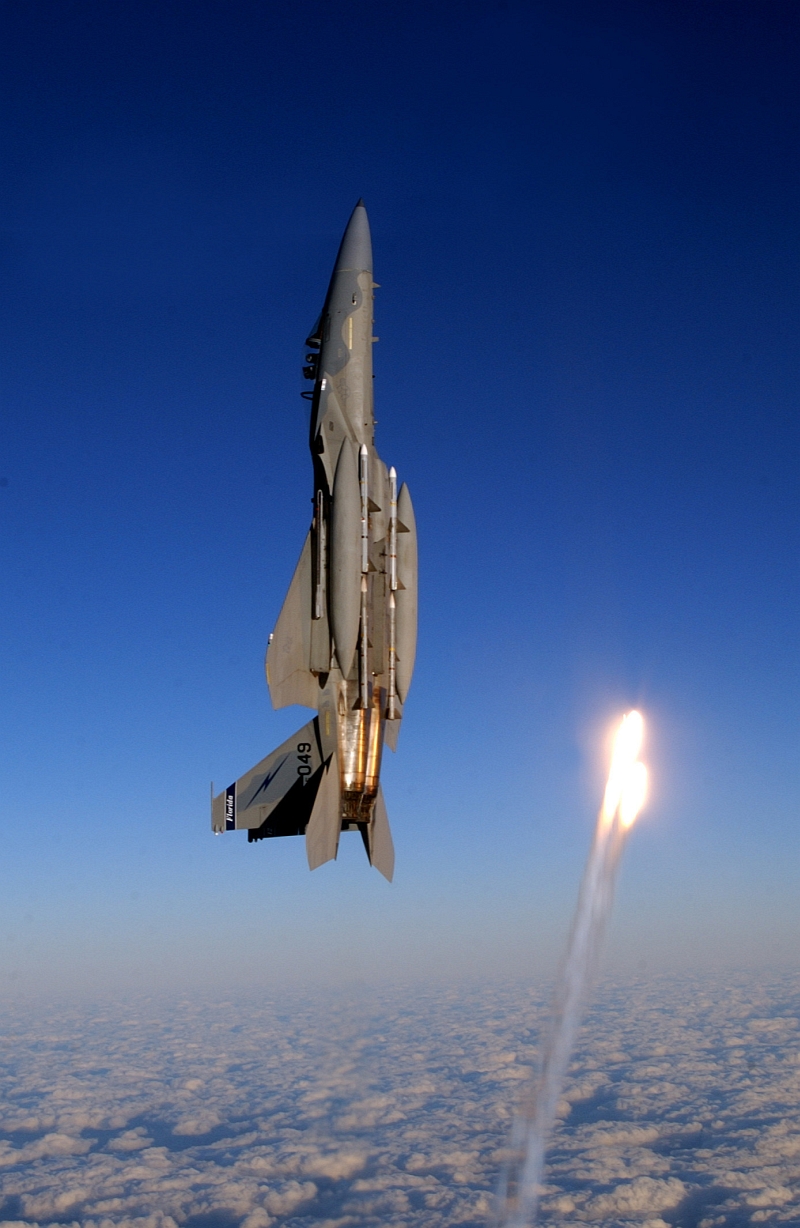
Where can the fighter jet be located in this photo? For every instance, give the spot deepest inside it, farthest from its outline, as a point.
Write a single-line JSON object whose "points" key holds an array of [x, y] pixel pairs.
{"points": [[345, 639]]}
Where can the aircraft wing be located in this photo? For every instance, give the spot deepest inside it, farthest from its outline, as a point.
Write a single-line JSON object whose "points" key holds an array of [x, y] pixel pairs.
{"points": [[289, 679]]}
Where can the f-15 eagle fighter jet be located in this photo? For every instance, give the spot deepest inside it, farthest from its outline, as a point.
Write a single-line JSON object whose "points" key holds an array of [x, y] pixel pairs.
{"points": [[345, 639]]}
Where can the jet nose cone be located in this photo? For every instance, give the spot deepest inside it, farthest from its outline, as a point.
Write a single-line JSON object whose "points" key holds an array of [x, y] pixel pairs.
{"points": [[356, 249]]}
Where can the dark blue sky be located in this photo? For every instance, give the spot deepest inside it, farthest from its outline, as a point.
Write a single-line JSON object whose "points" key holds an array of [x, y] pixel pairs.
{"points": [[585, 225]]}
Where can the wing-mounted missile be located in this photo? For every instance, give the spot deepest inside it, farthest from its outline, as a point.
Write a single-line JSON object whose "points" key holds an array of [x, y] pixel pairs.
{"points": [[345, 558], [406, 594], [345, 639], [330, 431]]}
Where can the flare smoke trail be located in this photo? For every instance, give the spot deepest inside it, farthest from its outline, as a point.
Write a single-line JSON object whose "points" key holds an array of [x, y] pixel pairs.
{"points": [[518, 1193]]}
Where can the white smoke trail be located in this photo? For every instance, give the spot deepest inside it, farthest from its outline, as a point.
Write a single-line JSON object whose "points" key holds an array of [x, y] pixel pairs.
{"points": [[520, 1183]]}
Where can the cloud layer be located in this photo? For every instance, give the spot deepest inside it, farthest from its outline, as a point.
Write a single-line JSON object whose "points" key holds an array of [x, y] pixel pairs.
{"points": [[393, 1109]]}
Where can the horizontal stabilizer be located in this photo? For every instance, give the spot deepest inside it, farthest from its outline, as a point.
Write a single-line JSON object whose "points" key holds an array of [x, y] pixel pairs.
{"points": [[276, 797]]}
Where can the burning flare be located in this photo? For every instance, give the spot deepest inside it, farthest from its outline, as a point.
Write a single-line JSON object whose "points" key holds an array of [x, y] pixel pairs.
{"points": [[634, 793], [627, 779], [520, 1182]]}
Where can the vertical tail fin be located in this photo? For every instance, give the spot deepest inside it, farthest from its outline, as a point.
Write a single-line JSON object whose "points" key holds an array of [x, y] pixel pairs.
{"points": [[379, 839], [325, 824]]}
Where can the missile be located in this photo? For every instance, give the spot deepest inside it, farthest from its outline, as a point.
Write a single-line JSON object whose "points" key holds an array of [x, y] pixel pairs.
{"points": [[345, 640]]}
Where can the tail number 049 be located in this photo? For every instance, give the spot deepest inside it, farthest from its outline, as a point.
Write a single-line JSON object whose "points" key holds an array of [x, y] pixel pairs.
{"points": [[303, 759]]}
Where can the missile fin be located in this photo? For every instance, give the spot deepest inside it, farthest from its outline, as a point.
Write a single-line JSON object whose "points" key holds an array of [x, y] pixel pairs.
{"points": [[392, 732]]}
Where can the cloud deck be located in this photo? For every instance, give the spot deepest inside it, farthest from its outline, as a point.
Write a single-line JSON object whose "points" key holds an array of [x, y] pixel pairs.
{"points": [[393, 1108]]}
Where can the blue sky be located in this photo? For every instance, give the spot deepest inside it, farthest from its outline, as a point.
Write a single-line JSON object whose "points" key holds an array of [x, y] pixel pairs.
{"points": [[584, 222]]}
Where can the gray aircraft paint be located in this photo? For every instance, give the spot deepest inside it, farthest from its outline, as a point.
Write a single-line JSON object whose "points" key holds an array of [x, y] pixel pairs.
{"points": [[345, 640], [406, 594], [345, 559]]}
